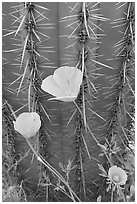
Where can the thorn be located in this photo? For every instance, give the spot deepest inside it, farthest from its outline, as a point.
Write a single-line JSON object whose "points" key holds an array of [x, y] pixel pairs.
{"points": [[102, 64]]}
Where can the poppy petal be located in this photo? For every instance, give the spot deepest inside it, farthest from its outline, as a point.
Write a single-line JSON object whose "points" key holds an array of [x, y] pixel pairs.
{"points": [[75, 81], [61, 76], [50, 86], [65, 98], [70, 77], [64, 84]]}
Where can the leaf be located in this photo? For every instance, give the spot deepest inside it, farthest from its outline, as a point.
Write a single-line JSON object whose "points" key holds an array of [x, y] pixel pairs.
{"points": [[104, 173], [103, 148]]}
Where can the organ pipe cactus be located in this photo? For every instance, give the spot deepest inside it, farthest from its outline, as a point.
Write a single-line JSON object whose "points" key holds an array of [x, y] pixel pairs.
{"points": [[83, 134]]}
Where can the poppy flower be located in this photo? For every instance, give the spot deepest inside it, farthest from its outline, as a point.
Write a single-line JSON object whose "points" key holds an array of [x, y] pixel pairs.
{"points": [[64, 84], [117, 175], [27, 124]]}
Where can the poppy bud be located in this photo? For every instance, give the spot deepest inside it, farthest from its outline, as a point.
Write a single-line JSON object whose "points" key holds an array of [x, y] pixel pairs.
{"points": [[27, 124]]}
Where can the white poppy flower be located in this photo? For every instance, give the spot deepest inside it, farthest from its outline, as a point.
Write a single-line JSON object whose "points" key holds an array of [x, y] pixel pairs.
{"points": [[64, 84], [27, 124], [117, 175]]}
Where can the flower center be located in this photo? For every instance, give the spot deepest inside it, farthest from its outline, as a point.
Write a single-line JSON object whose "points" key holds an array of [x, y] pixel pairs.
{"points": [[116, 178]]}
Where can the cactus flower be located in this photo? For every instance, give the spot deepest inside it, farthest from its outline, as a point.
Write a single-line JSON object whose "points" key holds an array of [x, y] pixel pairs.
{"points": [[64, 84], [117, 175], [27, 124]]}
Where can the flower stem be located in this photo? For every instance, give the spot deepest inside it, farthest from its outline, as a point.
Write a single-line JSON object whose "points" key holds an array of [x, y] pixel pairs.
{"points": [[122, 194], [112, 193], [54, 171]]}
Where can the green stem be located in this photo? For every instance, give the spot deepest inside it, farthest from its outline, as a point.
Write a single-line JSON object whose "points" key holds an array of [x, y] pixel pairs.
{"points": [[112, 193], [122, 194], [54, 171]]}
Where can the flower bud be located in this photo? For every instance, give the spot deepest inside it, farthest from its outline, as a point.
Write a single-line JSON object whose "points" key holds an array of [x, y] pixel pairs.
{"points": [[27, 124]]}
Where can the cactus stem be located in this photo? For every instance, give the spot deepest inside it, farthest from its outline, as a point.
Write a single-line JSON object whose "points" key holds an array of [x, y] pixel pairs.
{"points": [[23, 76], [45, 112]]}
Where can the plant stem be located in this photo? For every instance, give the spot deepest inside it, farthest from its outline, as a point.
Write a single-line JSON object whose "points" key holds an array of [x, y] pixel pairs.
{"points": [[112, 194], [54, 171]]}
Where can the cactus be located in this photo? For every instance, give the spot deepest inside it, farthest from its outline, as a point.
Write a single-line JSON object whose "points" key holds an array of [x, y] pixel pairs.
{"points": [[79, 141]]}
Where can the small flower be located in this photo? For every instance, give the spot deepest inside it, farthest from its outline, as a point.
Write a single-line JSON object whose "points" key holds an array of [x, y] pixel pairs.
{"points": [[27, 124], [64, 84], [117, 175], [99, 198]]}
